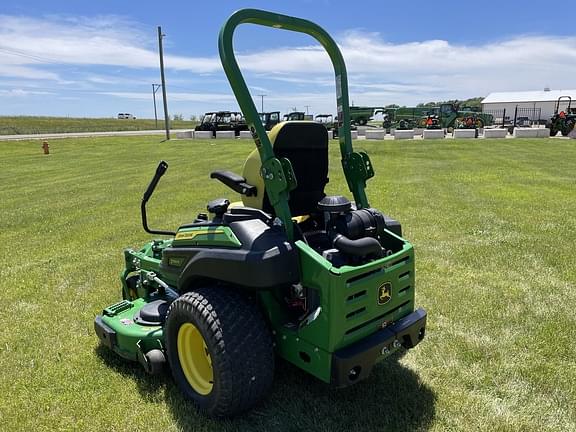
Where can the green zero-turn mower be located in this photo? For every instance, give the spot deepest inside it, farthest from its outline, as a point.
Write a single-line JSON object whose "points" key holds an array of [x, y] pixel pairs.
{"points": [[320, 281]]}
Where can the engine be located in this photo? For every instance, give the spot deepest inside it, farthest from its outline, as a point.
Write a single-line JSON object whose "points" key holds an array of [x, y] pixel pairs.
{"points": [[356, 235]]}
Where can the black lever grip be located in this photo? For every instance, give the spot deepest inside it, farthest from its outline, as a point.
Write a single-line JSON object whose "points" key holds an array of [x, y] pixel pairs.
{"points": [[160, 170]]}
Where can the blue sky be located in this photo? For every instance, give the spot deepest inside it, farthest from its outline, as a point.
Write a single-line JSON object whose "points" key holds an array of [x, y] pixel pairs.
{"points": [[99, 58]]}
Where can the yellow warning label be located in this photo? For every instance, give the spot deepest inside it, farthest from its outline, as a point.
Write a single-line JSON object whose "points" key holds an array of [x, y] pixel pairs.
{"points": [[189, 235]]}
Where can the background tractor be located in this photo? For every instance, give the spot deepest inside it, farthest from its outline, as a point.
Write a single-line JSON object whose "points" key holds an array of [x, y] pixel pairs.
{"points": [[563, 120], [270, 119], [222, 121], [327, 120], [296, 116], [431, 121], [325, 283]]}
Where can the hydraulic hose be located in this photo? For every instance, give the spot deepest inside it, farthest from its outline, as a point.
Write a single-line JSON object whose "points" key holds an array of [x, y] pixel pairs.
{"points": [[360, 247]]}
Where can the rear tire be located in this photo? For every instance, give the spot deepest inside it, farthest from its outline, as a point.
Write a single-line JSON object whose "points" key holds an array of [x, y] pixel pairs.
{"points": [[567, 128], [553, 131], [233, 369]]}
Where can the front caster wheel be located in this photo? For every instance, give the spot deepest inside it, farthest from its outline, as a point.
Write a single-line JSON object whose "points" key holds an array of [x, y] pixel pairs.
{"points": [[220, 350]]}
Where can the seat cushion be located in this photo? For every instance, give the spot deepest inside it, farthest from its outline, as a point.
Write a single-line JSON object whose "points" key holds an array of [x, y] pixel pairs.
{"points": [[305, 144]]}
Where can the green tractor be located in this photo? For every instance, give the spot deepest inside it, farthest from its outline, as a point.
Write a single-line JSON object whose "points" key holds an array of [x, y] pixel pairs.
{"points": [[562, 121], [270, 119], [295, 116], [325, 283]]}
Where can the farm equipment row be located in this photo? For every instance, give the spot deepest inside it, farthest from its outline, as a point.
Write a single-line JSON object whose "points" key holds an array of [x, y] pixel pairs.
{"points": [[445, 116], [234, 121]]}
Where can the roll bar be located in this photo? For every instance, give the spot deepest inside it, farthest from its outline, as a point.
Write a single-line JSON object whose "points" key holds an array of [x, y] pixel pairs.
{"points": [[278, 175]]}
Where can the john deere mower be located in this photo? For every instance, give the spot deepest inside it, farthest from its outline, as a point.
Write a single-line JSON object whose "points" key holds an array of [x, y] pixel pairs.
{"points": [[323, 282]]}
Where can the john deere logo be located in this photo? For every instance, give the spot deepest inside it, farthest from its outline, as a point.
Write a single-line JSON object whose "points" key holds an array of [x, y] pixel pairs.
{"points": [[384, 293]]}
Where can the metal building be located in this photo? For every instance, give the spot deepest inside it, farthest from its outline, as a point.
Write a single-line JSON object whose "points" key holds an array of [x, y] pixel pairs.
{"points": [[531, 105]]}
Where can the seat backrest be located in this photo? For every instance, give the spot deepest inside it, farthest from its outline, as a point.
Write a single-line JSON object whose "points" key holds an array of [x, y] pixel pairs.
{"points": [[305, 144]]}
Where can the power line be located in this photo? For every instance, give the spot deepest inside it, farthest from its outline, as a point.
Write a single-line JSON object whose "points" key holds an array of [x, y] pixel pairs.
{"points": [[47, 60], [30, 56]]}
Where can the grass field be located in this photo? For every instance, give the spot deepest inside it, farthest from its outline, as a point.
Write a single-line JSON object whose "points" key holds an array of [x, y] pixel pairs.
{"points": [[494, 228], [22, 125]]}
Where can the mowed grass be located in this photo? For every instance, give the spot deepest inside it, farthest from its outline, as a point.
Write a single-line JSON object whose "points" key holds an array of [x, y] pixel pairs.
{"points": [[22, 125], [494, 228]]}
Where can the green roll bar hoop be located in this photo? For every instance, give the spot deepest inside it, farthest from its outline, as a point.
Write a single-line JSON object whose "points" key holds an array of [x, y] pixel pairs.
{"points": [[278, 175]]}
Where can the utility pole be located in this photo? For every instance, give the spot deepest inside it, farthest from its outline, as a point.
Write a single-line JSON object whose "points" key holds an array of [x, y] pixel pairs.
{"points": [[262, 102], [155, 88], [306, 106], [166, 118]]}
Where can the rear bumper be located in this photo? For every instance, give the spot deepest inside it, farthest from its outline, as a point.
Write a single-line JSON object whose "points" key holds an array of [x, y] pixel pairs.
{"points": [[354, 363]]}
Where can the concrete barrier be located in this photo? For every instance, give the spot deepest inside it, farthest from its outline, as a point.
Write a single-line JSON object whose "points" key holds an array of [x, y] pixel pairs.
{"points": [[375, 134], [225, 135], [353, 134], [403, 134], [495, 133], [245, 135], [433, 133], [185, 135], [203, 135], [543, 133], [464, 133], [362, 130], [418, 131], [520, 132]]}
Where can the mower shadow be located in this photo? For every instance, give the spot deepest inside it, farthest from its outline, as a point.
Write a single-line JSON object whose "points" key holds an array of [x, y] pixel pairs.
{"points": [[148, 386], [392, 398]]}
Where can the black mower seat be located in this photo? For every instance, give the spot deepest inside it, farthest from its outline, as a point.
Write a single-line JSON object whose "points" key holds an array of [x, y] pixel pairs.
{"points": [[305, 144]]}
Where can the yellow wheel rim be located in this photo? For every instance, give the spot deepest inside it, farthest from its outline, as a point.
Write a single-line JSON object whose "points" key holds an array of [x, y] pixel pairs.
{"points": [[194, 359]]}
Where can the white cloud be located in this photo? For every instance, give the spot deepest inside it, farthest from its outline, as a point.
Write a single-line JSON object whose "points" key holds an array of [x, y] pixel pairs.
{"points": [[18, 92], [176, 96], [380, 71], [111, 41], [25, 72]]}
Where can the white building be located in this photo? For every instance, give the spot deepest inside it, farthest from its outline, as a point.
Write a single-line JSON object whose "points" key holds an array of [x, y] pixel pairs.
{"points": [[536, 105]]}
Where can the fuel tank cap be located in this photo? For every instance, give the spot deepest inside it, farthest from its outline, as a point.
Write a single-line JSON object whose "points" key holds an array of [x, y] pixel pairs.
{"points": [[335, 204]]}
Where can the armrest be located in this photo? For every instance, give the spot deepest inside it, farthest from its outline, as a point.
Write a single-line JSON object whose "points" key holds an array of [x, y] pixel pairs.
{"points": [[235, 182]]}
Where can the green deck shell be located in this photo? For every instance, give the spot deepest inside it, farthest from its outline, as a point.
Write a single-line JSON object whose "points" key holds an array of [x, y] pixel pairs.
{"points": [[343, 292], [130, 334]]}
